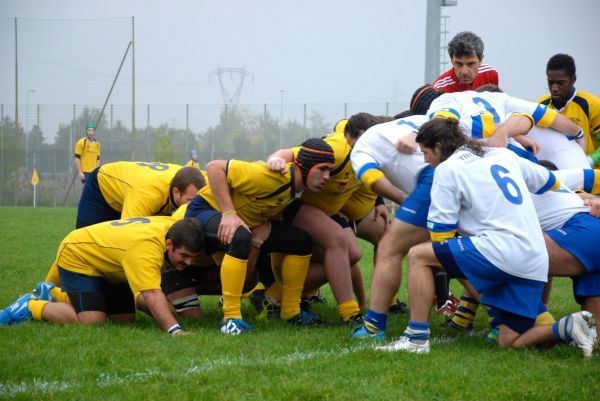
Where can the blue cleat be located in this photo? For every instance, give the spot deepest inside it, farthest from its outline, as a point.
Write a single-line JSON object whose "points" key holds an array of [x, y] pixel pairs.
{"points": [[4, 317], [18, 311], [305, 318], [42, 291], [361, 333], [235, 327]]}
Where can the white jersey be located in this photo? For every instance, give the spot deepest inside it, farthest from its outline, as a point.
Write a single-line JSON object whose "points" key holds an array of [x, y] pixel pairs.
{"points": [[487, 198], [479, 112], [557, 148], [578, 179], [555, 208], [375, 153]]}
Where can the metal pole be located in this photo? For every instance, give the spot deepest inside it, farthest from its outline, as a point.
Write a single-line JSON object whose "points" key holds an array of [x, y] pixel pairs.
{"points": [[71, 140], [432, 40], [187, 127], [264, 133], [37, 122], [110, 141], [281, 120], [147, 131], [17, 137], [27, 130], [1, 155], [304, 123], [35, 186], [133, 133]]}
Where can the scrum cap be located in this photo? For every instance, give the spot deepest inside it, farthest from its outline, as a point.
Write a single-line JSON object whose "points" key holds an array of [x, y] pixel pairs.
{"points": [[422, 98], [313, 152]]}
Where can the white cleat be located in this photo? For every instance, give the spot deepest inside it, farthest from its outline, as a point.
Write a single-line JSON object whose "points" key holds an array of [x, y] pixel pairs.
{"points": [[404, 344], [583, 332]]}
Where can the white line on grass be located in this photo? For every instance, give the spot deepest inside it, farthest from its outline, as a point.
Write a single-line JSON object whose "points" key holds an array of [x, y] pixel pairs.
{"points": [[110, 379]]}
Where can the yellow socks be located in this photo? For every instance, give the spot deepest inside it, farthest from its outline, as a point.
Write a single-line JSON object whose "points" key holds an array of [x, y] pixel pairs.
{"points": [[36, 307], [348, 309], [293, 274], [465, 313], [233, 274], [275, 291], [544, 318]]}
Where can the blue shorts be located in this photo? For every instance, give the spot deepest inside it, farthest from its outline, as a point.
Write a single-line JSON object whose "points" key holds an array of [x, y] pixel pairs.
{"points": [[91, 293], [415, 207], [517, 298], [586, 285], [201, 210], [93, 208], [578, 237]]}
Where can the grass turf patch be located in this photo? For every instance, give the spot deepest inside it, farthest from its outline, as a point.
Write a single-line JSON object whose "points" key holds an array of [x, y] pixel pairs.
{"points": [[273, 362]]}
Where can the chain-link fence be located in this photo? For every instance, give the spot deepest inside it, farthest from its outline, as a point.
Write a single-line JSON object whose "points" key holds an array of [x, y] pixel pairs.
{"points": [[55, 77], [46, 139]]}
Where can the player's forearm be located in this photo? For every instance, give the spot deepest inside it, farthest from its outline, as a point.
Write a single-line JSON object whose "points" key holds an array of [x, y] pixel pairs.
{"points": [[515, 125], [564, 125], [385, 188], [160, 308], [78, 165], [285, 154]]}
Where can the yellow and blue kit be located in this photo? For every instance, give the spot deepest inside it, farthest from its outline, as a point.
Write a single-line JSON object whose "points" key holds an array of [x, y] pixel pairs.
{"points": [[257, 192], [138, 188], [121, 251], [584, 110], [126, 189], [342, 182]]}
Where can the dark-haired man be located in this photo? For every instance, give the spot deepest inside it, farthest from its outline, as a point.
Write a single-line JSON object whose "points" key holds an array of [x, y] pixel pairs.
{"points": [[241, 196], [467, 72], [121, 190], [108, 268], [582, 108]]}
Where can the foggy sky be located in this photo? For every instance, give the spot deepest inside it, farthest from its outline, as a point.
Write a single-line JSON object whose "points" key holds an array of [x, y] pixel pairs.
{"points": [[317, 51]]}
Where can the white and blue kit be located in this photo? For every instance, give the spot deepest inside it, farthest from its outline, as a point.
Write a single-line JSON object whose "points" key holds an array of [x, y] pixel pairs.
{"points": [[502, 250], [565, 219], [374, 155], [480, 112]]}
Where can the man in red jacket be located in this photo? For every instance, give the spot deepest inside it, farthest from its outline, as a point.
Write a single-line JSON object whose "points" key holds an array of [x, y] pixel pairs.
{"points": [[467, 72]]}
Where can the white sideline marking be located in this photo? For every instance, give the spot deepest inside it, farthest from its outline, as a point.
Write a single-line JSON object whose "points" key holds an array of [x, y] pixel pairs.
{"points": [[111, 379]]}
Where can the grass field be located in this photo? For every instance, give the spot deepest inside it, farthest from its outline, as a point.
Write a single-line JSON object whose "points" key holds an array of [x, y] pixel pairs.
{"points": [[41, 361]]}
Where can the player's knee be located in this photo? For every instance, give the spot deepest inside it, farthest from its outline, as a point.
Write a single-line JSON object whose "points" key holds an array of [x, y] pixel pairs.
{"points": [[241, 244], [184, 303]]}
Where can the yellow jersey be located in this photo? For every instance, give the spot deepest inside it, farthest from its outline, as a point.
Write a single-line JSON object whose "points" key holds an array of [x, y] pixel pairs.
{"points": [[257, 192], [360, 204], [120, 251], [584, 110], [88, 153], [138, 188]]}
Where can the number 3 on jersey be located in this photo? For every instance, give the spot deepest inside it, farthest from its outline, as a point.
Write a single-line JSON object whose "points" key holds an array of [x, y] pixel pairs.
{"points": [[507, 185]]}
